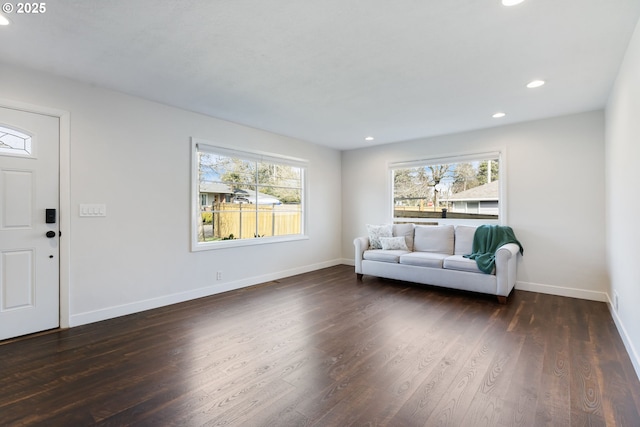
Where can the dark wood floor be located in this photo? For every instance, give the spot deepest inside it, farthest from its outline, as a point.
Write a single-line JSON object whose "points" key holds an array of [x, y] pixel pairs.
{"points": [[322, 349]]}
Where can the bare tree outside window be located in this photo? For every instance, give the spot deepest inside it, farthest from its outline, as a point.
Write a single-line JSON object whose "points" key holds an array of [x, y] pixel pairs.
{"points": [[460, 190]]}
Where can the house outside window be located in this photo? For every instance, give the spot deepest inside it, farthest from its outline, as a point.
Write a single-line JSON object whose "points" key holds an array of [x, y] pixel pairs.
{"points": [[246, 197], [467, 187]]}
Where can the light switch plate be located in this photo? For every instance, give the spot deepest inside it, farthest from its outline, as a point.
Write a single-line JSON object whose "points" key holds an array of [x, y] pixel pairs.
{"points": [[93, 210]]}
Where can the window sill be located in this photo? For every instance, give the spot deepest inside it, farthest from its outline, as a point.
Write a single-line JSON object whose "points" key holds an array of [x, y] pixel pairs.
{"points": [[452, 221], [225, 244]]}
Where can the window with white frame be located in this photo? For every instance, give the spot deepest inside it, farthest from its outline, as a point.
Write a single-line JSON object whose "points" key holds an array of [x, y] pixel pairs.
{"points": [[246, 197], [463, 187]]}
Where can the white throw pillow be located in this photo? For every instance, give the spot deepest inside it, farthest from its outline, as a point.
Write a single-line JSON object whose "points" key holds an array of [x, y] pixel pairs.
{"points": [[394, 243], [376, 232]]}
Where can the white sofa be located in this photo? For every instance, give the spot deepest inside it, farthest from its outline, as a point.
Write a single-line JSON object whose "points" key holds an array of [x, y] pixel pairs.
{"points": [[433, 255]]}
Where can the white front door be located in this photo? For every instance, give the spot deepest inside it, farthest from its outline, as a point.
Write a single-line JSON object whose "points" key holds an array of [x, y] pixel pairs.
{"points": [[29, 241]]}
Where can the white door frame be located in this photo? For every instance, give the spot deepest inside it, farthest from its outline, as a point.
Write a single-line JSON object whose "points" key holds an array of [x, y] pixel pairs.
{"points": [[64, 219]]}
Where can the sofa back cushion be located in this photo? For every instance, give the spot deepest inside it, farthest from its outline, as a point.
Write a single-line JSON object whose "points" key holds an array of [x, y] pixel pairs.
{"points": [[405, 230], [464, 239], [434, 238]]}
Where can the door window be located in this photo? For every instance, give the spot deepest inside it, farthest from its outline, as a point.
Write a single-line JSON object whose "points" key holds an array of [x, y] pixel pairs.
{"points": [[15, 143]]}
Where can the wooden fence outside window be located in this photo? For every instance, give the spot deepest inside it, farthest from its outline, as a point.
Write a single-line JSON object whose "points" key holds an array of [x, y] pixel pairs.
{"points": [[238, 221]]}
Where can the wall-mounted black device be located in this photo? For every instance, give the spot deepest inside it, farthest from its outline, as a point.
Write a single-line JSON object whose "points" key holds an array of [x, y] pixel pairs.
{"points": [[50, 216]]}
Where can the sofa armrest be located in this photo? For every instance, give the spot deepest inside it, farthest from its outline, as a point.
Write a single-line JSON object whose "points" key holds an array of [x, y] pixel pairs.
{"points": [[506, 268], [361, 244]]}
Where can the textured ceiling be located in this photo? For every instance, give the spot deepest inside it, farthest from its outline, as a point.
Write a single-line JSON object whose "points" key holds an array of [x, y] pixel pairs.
{"points": [[335, 71]]}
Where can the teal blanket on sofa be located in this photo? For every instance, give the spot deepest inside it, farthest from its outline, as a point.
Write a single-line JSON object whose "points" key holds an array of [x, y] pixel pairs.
{"points": [[486, 241]]}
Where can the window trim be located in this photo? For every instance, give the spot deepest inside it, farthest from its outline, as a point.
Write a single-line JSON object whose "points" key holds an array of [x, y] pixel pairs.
{"points": [[201, 145], [467, 156]]}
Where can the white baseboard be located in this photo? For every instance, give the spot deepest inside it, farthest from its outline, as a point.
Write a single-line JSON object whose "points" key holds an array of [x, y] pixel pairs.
{"points": [[628, 345], [562, 291], [138, 306]]}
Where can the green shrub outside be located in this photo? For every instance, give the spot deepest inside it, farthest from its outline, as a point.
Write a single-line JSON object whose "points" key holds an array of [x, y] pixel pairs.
{"points": [[207, 217]]}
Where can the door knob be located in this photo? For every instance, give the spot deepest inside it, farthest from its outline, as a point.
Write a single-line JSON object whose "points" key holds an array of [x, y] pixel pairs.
{"points": [[51, 234]]}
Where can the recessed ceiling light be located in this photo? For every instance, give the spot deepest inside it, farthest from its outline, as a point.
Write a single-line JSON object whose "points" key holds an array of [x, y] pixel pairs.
{"points": [[4, 20], [498, 115], [369, 138], [511, 2], [535, 83]]}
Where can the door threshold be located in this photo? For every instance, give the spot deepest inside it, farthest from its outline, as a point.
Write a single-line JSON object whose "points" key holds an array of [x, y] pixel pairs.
{"points": [[28, 336]]}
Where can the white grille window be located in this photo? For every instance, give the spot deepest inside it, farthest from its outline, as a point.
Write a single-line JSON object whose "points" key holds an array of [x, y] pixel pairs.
{"points": [[15, 143], [246, 197], [464, 187]]}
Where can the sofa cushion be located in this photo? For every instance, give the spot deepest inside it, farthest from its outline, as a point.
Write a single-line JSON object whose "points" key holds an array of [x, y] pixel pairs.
{"points": [[391, 243], [423, 259], [464, 239], [405, 230], [434, 238], [383, 256], [458, 262], [376, 232]]}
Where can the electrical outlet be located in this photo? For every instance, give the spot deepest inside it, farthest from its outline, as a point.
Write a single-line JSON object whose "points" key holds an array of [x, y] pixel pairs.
{"points": [[219, 275], [615, 301]]}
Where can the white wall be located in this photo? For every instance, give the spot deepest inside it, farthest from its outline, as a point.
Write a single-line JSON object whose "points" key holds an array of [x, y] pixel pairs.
{"points": [[623, 200], [555, 195], [134, 156]]}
